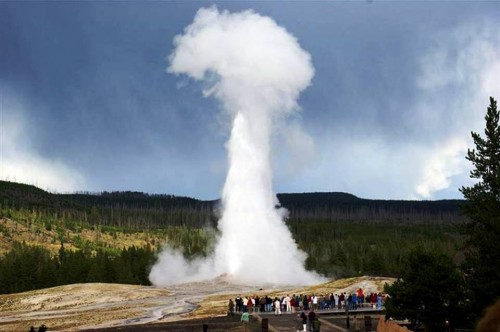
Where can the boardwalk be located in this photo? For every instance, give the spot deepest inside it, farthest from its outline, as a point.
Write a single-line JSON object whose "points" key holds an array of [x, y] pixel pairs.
{"points": [[283, 323], [331, 320]]}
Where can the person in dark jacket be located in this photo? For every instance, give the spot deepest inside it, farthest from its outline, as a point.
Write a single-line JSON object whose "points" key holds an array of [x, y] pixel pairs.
{"points": [[311, 317], [230, 308], [304, 321]]}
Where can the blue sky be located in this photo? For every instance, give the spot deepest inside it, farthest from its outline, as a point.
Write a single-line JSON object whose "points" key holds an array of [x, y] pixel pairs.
{"points": [[87, 104]]}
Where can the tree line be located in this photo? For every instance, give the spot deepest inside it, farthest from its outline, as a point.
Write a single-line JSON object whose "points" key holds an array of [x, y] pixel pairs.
{"points": [[139, 210], [26, 267]]}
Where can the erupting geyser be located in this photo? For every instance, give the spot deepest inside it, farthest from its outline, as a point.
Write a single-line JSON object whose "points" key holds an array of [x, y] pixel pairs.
{"points": [[257, 70]]}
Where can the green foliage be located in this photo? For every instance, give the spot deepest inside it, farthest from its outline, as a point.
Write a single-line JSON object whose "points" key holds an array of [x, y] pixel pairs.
{"points": [[482, 231], [31, 267], [429, 292], [25, 268], [346, 249], [343, 235]]}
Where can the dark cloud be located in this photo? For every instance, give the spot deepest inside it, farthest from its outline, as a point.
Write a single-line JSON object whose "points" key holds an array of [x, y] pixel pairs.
{"points": [[92, 93]]}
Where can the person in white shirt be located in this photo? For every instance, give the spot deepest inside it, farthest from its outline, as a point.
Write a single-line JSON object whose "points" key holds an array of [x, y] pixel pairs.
{"points": [[245, 303], [315, 302], [287, 303], [277, 307]]}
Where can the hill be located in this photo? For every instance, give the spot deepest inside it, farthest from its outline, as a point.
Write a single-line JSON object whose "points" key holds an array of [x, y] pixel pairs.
{"points": [[342, 235], [136, 209]]}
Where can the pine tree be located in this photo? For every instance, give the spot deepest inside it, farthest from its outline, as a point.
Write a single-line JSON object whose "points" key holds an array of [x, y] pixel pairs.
{"points": [[428, 293], [482, 231]]}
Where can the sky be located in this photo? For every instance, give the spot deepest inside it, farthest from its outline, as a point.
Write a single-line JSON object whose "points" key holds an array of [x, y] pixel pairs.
{"points": [[87, 103]]}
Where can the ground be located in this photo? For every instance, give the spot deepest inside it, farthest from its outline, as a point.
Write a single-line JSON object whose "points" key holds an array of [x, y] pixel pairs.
{"points": [[127, 307]]}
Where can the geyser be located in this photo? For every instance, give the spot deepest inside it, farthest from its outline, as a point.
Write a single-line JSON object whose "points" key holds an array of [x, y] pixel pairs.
{"points": [[257, 70]]}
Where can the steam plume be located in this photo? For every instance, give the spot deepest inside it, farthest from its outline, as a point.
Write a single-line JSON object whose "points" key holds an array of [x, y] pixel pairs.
{"points": [[257, 70]]}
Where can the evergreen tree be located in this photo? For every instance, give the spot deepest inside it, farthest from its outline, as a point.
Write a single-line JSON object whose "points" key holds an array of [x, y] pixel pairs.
{"points": [[482, 231], [428, 293]]}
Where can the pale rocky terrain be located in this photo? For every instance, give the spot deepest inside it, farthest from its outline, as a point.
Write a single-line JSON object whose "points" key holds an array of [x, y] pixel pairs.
{"points": [[83, 306]]}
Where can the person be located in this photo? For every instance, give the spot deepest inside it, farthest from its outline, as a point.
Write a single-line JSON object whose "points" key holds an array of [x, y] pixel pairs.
{"points": [[361, 297], [311, 317], [379, 301], [298, 325], [230, 308], [245, 318], [297, 303], [316, 324], [42, 328], [250, 304], [304, 321], [288, 303], [32, 329], [245, 304], [277, 306], [239, 303], [269, 303], [262, 302], [314, 300], [305, 302]]}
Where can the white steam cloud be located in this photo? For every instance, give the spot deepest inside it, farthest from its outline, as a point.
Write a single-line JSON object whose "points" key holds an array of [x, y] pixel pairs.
{"points": [[458, 77], [20, 162], [257, 70]]}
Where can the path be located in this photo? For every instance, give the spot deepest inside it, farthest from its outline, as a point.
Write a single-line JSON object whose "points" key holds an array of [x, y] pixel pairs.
{"points": [[331, 321]]}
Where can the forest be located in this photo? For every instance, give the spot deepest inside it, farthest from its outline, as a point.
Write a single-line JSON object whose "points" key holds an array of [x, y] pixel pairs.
{"points": [[66, 238]]}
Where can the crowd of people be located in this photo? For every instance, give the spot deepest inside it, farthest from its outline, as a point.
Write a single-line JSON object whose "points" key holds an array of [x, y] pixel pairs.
{"points": [[296, 303]]}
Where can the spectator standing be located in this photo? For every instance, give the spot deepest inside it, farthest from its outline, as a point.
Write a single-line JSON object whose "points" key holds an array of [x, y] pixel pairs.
{"points": [[288, 303], [230, 308], [239, 303], [250, 304], [245, 318], [304, 321], [314, 300], [245, 304], [277, 305], [305, 302], [262, 302], [311, 317], [269, 304]]}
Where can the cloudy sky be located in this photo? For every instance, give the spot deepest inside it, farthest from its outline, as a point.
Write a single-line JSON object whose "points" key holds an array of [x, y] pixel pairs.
{"points": [[87, 103]]}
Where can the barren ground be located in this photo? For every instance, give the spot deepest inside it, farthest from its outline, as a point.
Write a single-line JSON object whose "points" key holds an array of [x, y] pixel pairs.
{"points": [[84, 306]]}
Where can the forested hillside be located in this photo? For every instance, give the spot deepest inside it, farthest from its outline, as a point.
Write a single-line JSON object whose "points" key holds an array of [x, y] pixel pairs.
{"points": [[342, 234], [140, 210]]}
